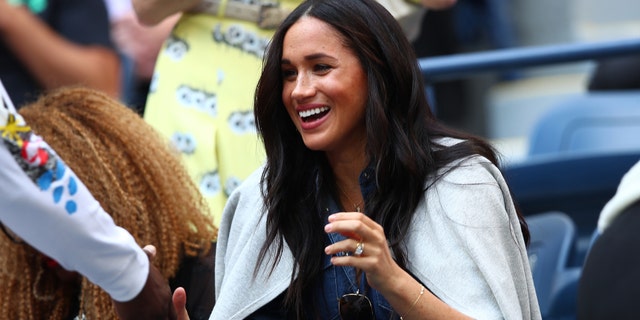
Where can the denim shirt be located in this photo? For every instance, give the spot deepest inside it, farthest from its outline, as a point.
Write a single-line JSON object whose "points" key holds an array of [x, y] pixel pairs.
{"points": [[340, 280], [335, 281]]}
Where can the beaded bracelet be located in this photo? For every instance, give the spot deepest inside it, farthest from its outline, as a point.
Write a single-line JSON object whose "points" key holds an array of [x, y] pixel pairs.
{"points": [[414, 302]]}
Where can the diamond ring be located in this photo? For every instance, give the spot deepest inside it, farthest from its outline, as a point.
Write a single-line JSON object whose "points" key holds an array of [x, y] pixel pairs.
{"points": [[359, 249]]}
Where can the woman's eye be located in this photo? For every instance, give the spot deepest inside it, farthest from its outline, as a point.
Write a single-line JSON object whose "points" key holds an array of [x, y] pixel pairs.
{"points": [[322, 67], [287, 74]]}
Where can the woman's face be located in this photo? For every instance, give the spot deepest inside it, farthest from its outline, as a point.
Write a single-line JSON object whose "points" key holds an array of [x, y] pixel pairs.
{"points": [[325, 87]]}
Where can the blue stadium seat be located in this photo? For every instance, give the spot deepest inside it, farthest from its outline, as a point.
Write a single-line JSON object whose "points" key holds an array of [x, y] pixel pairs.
{"points": [[593, 122], [578, 153], [552, 239], [579, 184]]}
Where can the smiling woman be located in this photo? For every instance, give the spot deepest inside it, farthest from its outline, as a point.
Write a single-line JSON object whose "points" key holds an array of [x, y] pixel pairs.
{"points": [[340, 106], [370, 135]]}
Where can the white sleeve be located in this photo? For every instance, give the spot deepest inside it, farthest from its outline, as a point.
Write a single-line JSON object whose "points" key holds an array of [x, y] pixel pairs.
{"points": [[45, 204]]}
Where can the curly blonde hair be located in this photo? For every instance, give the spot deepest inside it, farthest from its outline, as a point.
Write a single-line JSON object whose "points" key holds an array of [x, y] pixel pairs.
{"points": [[136, 177]]}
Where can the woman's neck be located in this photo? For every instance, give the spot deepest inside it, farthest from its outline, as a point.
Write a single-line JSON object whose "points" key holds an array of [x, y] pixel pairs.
{"points": [[347, 166], [346, 176]]}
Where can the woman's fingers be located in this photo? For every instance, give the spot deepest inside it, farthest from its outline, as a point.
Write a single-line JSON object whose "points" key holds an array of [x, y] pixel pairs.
{"points": [[180, 303], [348, 246], [355, 225], [350, 216], [366, 237]]}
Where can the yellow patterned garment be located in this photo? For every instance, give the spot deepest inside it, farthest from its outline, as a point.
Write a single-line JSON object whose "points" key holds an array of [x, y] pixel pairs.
{"points": [[201, 98]]}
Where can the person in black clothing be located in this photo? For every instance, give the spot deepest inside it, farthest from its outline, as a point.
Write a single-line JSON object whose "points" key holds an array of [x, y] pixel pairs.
{"points": [[620, 73], [609, 285]]}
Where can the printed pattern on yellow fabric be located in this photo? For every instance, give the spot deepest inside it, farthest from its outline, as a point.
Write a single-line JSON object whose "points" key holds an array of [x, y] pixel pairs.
{"points": [[201, 98]]}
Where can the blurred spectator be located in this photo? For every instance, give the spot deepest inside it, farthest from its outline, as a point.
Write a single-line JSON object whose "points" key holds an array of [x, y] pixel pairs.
{"points": [[201, 95], [410, 13], [138, 46], [470, 25], [619, 73], [487, 21], [52, 43], [438, 38], [486, 24]]}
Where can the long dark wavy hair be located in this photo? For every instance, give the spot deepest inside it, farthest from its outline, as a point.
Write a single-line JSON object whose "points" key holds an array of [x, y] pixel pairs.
{"points": [[401, 140]]}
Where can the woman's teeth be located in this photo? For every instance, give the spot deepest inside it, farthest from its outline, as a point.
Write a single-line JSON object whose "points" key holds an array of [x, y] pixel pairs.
{"points": [[312, 112]]}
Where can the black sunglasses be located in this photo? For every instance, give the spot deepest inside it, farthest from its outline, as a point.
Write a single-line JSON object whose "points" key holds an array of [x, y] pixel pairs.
{"points": [[355, 306]]}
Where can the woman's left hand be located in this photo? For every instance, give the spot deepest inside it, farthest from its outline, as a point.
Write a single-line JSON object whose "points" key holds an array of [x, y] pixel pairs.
{"points": [[383, 274], [180, 303], [375, 259]]}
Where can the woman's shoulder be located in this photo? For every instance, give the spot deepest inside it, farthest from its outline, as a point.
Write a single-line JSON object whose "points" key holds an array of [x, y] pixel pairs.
{"points": [[470, 169], [466, 188]]}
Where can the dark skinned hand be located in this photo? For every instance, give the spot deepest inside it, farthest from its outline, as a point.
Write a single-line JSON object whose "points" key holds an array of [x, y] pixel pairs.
{"points": [[155, 299]]}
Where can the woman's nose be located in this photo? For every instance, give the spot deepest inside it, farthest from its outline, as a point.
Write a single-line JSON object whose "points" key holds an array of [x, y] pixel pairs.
{"points": [[304, 88]]}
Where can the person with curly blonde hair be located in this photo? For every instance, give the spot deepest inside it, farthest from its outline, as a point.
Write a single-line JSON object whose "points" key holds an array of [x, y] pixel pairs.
{"points": [[139, 180]]}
